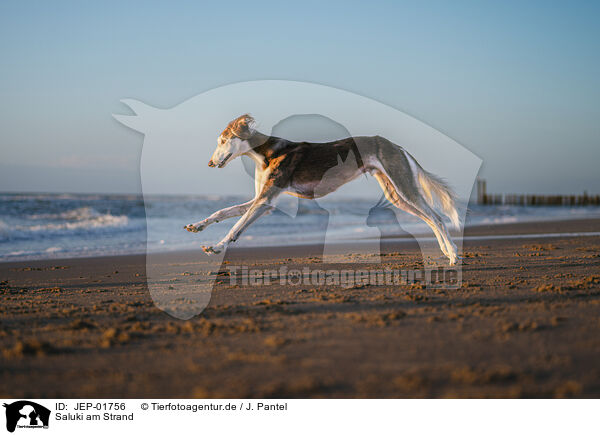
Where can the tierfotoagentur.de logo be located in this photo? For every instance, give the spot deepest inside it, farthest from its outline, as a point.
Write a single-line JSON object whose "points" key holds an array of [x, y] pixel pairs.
{"points": [[25, 414]]}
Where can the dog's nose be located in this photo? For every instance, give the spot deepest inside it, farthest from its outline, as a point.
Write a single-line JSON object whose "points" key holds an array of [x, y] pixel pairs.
{"points": [[211, 164]]}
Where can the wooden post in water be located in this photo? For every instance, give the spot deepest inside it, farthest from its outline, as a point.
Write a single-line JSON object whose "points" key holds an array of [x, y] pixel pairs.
{"points": [[481, 191], [484, 198]]}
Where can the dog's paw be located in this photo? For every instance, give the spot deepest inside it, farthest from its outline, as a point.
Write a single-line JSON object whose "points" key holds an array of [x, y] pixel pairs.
{"points": [[212, 250], [455, 259], [194, 228]]}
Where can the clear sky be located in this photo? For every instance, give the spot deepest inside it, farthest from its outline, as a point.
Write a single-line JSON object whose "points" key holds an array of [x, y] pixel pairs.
{"points": [[517, 83]]}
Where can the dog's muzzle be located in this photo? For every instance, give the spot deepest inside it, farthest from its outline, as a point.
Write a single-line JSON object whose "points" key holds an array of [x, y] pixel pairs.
{"points": [[220, 165]]}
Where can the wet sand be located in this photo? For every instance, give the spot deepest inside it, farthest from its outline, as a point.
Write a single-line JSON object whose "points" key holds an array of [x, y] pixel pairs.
{"points": [[524, 323]]}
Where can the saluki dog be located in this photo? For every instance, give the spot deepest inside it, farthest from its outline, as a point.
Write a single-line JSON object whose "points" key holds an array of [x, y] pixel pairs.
{"points": [[300, 168]]}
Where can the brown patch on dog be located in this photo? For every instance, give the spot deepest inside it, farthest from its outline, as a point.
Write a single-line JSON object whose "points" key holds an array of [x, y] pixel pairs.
{"points": [[239, 127]]}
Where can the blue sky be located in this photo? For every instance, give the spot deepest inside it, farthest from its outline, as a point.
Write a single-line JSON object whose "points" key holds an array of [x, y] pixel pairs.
{"points": [[517, 83]]}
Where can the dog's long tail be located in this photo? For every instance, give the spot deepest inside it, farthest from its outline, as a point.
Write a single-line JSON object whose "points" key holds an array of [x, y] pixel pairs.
{"points": [[438, 194]]}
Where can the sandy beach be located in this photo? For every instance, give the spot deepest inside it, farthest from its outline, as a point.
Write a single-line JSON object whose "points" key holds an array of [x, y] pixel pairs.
{"points": [[524, 323]]}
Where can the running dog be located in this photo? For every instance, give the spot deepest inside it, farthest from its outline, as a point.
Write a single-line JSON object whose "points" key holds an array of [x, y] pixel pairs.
{"points": [[299, 168]]}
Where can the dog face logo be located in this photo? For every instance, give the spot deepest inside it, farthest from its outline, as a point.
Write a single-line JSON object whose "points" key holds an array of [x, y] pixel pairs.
{"points": [[26, 414]]}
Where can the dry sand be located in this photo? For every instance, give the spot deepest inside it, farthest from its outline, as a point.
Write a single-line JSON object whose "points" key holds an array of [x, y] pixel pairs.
{"points": [[525, 323]]}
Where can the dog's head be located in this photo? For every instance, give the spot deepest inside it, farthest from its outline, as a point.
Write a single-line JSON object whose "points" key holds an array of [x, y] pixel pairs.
{"points": [[233, 141]]}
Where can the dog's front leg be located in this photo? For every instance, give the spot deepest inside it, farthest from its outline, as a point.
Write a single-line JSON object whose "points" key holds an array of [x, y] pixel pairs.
{"points": [[226, 213], [259, 207]]}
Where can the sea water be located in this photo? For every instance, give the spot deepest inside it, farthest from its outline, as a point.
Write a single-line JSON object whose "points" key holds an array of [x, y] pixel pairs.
{"points": [[40, 226]]}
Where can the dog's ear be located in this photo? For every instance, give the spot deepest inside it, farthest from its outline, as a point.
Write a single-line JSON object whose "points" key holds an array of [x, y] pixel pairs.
{"points": [[243, 126]]}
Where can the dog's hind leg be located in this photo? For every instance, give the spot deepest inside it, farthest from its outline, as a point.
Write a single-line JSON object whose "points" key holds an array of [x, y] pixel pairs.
{"points": [[226, 213], [424, 213], [451, 250]]}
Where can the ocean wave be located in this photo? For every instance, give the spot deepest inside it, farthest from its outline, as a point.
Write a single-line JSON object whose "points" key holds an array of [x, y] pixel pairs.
{"points": [[83, 218], [78, 214], [80, 218], [16, 197]]}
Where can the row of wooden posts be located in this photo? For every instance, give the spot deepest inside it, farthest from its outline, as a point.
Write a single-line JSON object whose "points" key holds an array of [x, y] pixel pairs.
{"points": [[485, 198]]}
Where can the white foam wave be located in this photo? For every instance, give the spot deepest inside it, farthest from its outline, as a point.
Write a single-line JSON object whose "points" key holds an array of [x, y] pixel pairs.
{"points": [[79, 218]]}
